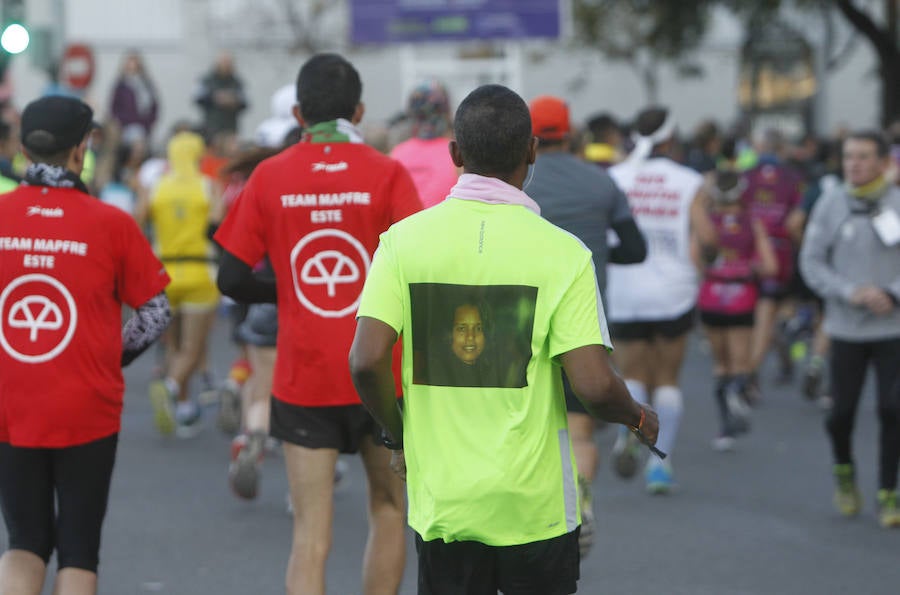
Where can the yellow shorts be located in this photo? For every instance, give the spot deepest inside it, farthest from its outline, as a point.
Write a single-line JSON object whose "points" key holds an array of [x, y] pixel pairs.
{"points": [[193, 286]]}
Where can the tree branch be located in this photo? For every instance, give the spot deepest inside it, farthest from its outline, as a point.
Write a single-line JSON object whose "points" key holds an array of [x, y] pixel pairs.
{"points": [[885, 46]]}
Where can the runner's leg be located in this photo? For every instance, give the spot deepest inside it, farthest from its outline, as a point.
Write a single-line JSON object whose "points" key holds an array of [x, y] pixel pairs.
{"points": [[385, 555], [257, 399], [75, 581], [763, 331], [310, 473], [21, 573], [26, 498], [195, 326]]}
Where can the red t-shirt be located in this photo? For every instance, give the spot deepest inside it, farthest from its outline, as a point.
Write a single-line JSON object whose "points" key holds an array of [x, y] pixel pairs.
{"points": [[316, 210], [67, 264]]}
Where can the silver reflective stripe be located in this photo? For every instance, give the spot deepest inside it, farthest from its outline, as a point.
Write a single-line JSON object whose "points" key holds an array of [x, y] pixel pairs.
{"points": [[570, 487]]}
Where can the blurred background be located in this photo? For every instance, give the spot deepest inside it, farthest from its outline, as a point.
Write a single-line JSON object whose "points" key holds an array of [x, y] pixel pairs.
{"points": [[804, 66]]}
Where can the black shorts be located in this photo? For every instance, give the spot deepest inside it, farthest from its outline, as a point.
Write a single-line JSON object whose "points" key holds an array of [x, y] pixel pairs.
{"points": [[341, 427], [260, 326], [647, 330], [237, 312], [548, 567], [55, 498], [719, 320], [774, 289]]}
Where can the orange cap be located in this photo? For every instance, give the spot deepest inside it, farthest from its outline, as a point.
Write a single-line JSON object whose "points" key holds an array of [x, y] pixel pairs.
{"points": [[549, 117]]}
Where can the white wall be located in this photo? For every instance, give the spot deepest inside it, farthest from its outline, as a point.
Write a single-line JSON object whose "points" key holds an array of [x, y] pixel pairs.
{"points": [[180, 38]]}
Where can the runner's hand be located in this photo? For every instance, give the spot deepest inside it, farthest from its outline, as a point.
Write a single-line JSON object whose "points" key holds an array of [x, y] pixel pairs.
{"points": [[398, 463], [650, 427]]}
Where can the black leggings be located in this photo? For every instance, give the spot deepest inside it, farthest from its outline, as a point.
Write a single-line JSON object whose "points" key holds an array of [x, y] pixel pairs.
{"points": [[79, 478], [849, 362]]}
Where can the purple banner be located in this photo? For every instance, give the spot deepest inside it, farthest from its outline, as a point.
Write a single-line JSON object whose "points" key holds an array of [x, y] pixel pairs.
{"points": [[398, 21]]}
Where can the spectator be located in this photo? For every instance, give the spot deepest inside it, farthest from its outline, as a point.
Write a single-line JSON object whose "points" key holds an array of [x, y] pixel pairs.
{"points": [[221, 97], [135, 104], [849, 257]]}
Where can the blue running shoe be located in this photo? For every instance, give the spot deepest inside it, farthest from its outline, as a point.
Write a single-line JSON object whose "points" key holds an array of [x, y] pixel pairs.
{"points": [[659, 478]]}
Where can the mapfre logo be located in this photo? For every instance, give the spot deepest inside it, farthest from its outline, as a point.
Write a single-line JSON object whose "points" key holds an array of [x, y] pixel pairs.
{"points": [[330, 168], [41, 211]]}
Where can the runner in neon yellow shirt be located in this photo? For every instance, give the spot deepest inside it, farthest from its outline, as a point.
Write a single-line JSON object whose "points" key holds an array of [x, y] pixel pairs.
{"points": [[488, 312]]}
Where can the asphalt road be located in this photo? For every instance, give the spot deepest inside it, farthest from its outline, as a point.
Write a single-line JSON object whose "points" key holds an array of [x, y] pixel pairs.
{"points": [[755, 521]]}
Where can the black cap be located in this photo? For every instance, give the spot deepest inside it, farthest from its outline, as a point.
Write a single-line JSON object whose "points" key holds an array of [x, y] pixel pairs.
{"points": [[55, 123]]}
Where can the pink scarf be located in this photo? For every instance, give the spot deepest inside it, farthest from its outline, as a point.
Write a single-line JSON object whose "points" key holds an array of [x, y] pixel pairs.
{"points": [[491, 191]]}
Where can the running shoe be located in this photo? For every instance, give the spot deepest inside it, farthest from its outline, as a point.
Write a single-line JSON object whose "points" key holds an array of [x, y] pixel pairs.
{"points": [[187, 418], [586, 536], [812, 378], [888, 512], [847, 499], [625, 454], [723, 443], [751, 392], [161, 400], [738, 413], [246, 457], [229, 418], [783, 350], [659, 477]]}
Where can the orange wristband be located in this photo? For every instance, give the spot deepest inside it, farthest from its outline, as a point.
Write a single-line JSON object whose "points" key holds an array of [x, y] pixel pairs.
{"points": [[640, 425]]}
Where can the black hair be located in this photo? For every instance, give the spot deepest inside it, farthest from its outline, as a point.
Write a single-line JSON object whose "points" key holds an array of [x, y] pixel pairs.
{"points": [[493, 130], [601, 126], [328, 88], [479, 304], [650, 120], [706, 132], [729, 148], [5, 130], [881, 142]]}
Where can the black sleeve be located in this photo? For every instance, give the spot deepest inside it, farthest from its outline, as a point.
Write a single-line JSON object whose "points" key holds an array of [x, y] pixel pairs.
{"points": [[632, 247], [145, 327], [237, 280]]}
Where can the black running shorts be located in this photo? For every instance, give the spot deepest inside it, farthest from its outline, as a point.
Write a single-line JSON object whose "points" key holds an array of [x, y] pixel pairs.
{"points": [[719, 320], [55, 498], [342, 427], [647, 330], [548, 567]]}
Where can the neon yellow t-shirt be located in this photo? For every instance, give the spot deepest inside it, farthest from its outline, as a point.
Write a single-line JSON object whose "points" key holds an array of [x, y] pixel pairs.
{"points": [[486, 297], [7, 185]]}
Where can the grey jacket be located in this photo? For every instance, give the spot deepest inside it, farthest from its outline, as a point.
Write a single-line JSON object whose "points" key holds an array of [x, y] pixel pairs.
{"points": [[840, 253]]}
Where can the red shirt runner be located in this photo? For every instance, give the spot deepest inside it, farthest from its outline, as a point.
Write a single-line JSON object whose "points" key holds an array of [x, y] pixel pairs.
{"points": [[67, 264], [316, 210]]}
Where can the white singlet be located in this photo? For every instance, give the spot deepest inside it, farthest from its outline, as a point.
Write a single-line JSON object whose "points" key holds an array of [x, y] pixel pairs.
{"points": [[664, 286]]}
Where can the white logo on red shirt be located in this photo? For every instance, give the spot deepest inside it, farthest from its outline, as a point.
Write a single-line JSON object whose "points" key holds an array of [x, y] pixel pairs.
{"points": [[328, 268], [39, 210], [34, 309], [330, 168], [343, 270]]}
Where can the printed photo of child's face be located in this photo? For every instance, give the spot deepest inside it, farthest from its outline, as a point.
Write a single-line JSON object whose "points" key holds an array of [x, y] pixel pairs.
{"points": [[467, 339]]}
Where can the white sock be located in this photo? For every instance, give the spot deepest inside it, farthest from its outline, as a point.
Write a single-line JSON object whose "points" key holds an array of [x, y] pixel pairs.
{"points": [[668, 403], [173, 386], [638, 390]]}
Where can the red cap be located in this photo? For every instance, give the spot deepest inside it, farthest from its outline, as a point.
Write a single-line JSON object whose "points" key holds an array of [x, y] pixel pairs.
{"points": [[549, 117]]}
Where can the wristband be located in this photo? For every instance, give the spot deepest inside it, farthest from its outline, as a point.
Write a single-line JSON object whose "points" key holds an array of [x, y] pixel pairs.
{"points": [[390, 444], [640, 425]]}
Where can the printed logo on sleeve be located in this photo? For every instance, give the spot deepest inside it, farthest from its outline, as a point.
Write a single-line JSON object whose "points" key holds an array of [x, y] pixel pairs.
{"points": [[38, 318]]}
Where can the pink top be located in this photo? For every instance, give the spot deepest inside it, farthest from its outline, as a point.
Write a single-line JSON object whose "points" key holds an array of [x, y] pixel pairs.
{"points": [[429, 164]]}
